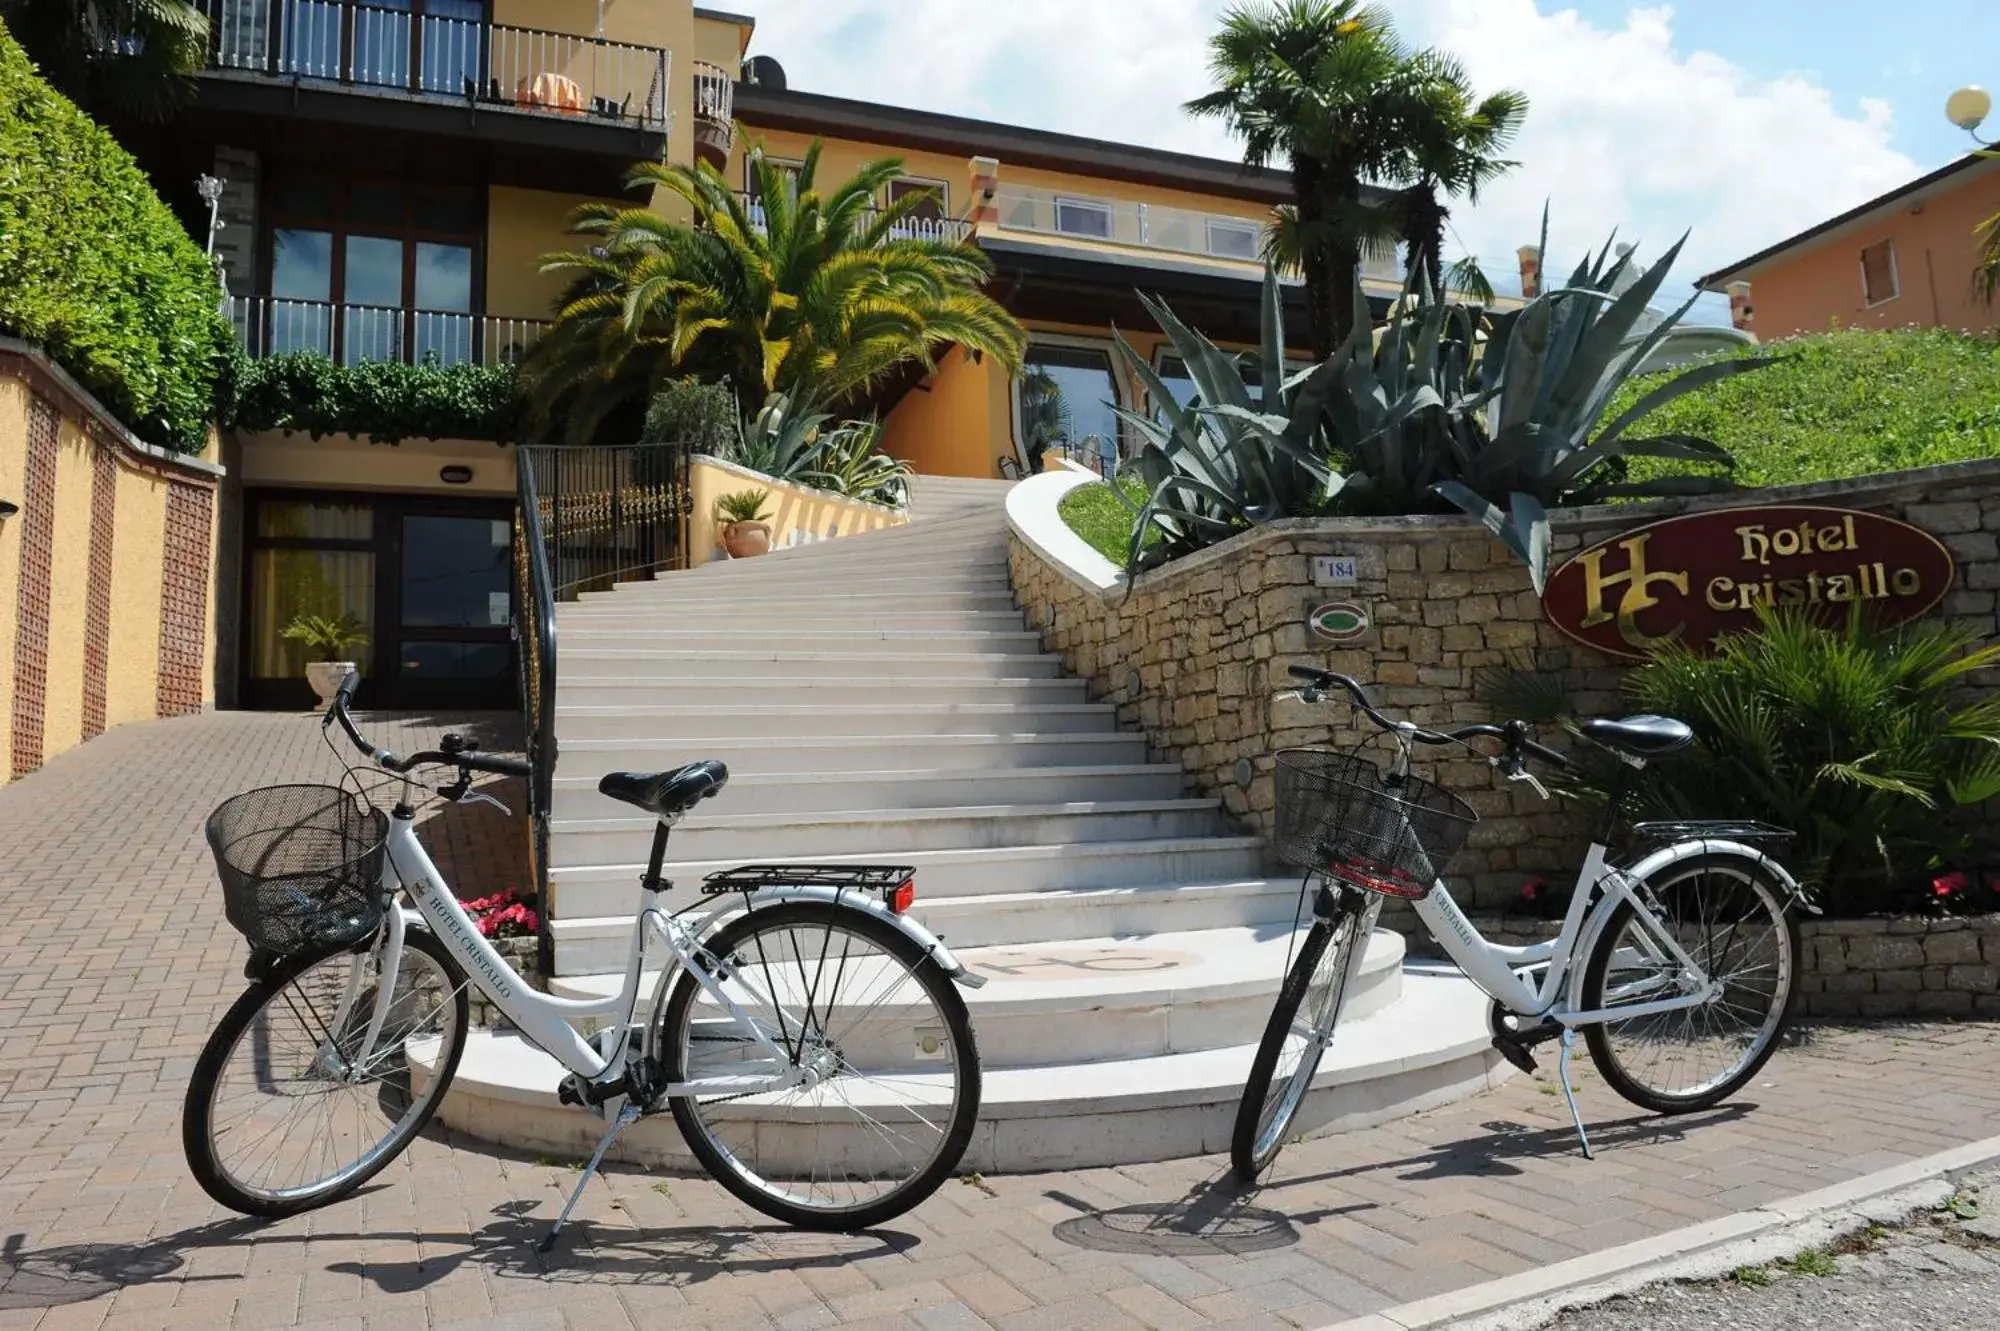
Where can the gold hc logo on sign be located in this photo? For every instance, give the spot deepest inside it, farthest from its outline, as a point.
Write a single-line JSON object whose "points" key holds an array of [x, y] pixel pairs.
{"points": [[1637, 583]]}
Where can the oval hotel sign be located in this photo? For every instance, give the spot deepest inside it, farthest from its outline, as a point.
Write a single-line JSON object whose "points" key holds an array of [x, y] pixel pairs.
{"points": [[1691, 579]]}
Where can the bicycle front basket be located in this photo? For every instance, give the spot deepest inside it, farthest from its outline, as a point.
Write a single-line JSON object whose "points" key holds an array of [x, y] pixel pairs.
{"points": [[1338, 816], [301, 866]]}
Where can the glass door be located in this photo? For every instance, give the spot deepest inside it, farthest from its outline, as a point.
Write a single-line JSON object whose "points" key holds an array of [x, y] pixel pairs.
{"points": [[454, 602]]}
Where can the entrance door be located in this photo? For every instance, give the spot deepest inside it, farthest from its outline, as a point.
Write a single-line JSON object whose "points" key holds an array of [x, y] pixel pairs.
{"points": [[429, 580]]}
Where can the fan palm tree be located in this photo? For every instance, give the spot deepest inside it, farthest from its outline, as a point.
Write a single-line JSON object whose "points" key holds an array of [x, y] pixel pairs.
{"points": [[134, 56], [812, 295], [1452, 146], [1308, 81]]}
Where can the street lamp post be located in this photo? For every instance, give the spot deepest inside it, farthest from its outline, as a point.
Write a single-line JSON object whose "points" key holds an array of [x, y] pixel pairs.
{"points": [[1968, 108]]}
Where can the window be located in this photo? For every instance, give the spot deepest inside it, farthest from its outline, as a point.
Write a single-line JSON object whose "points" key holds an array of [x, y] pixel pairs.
{"points": [[1084, 217], [753, 193], [926, 220], [1878, 273], [1173, 372], [1066, 395], [367, 271], [432, 46], [1232, 240]]}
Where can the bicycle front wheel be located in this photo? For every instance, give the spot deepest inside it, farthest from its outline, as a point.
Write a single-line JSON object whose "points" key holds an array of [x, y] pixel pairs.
{"points": [[1732, 918], [876, 1039], [286, 1111], [1300, 1029]]}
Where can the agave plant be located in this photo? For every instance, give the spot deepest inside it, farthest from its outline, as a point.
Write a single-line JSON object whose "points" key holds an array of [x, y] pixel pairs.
{"points": [[1226, 464], [849, 461], [780, 440], [1509, 429]]}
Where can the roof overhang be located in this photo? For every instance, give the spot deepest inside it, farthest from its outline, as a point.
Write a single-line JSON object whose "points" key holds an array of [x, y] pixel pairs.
{"points": [[1905, 198]]}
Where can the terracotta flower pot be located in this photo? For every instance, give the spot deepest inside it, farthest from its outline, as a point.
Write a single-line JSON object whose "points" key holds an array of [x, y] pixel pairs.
{"points": [[325, 677], [744, 539]]}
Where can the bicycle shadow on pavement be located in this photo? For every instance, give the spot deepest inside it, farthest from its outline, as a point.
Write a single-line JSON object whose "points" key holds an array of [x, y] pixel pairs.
{"points": [[1213, 1217], [588, 1252]]}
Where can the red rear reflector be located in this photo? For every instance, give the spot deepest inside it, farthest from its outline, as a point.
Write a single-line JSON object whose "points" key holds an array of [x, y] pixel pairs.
{"points": [[905, 892]]}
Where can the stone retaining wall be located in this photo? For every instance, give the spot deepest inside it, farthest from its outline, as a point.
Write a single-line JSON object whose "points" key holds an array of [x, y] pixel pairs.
{"points": [[1909, 967], [1195, 653]]}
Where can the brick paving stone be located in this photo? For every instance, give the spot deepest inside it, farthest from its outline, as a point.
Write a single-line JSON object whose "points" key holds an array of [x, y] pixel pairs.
{"points": [[115, 963]]}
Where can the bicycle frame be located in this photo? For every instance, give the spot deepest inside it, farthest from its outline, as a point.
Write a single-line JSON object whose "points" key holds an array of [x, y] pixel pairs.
{"points": [[549, 1021]]}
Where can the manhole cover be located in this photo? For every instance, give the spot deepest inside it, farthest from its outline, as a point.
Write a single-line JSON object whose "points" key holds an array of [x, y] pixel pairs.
{"points": [[1172, 1229]]}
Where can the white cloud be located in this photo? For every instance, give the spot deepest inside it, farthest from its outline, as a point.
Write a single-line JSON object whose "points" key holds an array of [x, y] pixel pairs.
{"points": [[1625, 131]]}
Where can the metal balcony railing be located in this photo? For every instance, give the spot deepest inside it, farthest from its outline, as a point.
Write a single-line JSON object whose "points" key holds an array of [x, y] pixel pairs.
{"points": [[909, 228], [715, 102], [352, 334], [440, 55]]}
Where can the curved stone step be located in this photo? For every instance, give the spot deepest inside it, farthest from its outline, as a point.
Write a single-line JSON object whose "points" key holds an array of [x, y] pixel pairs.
{"points": [[691, 723], [780, 662], [1428, 1048], [809, 792], [801, 836], [1111, 998]]}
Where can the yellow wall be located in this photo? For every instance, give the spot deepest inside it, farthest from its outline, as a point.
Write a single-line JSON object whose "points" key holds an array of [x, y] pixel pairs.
{"points": [[521, 226], [719, 43], [342, 462], [132, 651], [959, 423], [797, 516]]}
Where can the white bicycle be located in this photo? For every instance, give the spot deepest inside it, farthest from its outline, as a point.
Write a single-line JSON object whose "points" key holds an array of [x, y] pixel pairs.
{"points": [[806, 1033], [1678, 968]]}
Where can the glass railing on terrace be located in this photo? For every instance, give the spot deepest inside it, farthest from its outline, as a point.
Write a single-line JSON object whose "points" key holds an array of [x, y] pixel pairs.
{"points": [[354, 334], [448, 51], [1152, 226]]}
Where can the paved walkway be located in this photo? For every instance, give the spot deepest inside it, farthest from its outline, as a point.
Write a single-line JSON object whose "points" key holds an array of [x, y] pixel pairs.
{"points": [[115, 961]]}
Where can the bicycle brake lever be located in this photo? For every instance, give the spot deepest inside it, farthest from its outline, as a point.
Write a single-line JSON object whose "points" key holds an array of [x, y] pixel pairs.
{"points": [[481, 797], [1288, 695], [1523, 774]]}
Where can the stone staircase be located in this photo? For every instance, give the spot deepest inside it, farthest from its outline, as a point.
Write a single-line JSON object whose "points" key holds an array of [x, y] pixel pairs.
{"points": [[878, 699]]}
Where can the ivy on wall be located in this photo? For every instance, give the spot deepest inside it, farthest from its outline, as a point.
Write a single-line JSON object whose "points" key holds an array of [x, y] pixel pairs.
{"points": [[384, 401], [96, 269]]}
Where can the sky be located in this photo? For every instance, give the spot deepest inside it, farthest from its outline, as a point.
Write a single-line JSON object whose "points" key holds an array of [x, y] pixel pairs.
{"points": [[1739, 122]]}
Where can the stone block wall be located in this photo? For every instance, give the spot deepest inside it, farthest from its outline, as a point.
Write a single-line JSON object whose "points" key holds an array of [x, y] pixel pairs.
{"points": [[1194, 655], [1853, 968]]}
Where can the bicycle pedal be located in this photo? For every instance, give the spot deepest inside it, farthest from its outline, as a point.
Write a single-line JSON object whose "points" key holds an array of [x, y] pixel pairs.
{"points": [[1516, 1053]]}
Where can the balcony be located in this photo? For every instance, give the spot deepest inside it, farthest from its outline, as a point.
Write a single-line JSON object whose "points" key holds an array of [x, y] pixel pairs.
{"points": [[953, 229], [442, 58], [1153, 226], [353, 334], [714, 113]]}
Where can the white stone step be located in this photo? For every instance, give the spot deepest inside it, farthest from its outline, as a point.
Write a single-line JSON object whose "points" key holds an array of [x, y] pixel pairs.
{"points": [[1428, 1048], [756, 618], [896, 577], [1110, 998], [889, 833], [766, 792], [690, 724], [590, 759], [779, 602], [898, 642], [780, 660], [595, 891], [855, 690], [997, 919]]}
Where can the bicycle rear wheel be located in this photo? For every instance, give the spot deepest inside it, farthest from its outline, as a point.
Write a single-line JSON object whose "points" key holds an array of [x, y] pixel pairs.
{"points": [[891, 1090], [1732, 918], [279, 1116], [1295, 1038]]}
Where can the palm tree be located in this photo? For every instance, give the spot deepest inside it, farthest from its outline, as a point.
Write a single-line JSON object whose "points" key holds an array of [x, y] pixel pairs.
{"points": [[1308, 81], [811, 295], [134, 56], [1986, 273], [1452, 147]]}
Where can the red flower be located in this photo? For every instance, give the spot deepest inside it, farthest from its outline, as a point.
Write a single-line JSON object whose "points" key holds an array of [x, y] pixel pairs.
{"points": [[1532, 889], [1950, 884]]}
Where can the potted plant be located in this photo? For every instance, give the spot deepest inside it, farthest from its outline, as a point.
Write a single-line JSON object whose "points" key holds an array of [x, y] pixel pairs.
{"points": [[325, 640], [744, 531]]}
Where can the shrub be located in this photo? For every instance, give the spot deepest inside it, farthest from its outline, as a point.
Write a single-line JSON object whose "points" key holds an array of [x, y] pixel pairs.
{"points": [[95, 268], [1856, 738], [688, 411], [386, 401]]}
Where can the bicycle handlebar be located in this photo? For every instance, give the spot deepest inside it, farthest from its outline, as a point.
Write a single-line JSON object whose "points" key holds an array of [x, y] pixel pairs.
{"points": [[1514, 734], [465, 762]]}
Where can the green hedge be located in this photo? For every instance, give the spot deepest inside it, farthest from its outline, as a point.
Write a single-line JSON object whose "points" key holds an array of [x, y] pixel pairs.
{"points": [[95, 268], [385, 401]]}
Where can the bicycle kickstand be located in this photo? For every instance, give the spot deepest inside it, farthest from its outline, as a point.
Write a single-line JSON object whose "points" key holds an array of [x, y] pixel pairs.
{"points": [[627, 1114], [1569, 1091]]}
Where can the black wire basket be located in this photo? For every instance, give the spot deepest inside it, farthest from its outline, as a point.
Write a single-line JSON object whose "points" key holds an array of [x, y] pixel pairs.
{"points": [[1338, 816], [301, 866]]}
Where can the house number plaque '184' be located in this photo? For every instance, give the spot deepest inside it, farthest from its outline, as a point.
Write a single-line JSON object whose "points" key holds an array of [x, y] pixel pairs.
{"points": [[1691, 579]]}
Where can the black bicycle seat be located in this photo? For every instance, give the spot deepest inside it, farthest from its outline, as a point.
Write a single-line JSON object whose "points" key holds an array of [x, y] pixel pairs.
{"points": [[1640, 736], [670, 793]]}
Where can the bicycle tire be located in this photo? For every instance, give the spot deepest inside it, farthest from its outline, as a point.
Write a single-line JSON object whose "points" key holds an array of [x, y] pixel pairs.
{"points": [[1775, 896], [742, 1180], [1261, 1127], [198, 1107]]}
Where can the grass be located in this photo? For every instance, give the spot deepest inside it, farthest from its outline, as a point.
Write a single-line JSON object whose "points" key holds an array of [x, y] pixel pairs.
{"points": [[1836, 405], [1756, 1277], [1095, 514], [1812, 1262]]}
